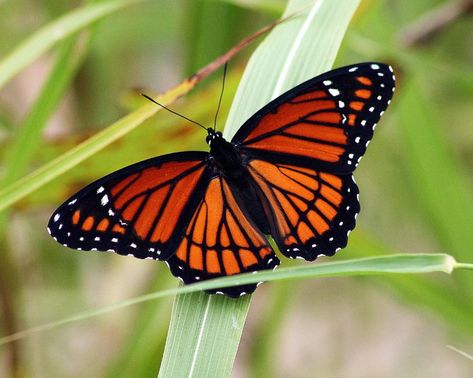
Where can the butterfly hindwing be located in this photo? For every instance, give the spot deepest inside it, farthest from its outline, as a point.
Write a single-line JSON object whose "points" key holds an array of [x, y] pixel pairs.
{"points": [[221, 240], [311, 212], [326, 122], [140, 210]]}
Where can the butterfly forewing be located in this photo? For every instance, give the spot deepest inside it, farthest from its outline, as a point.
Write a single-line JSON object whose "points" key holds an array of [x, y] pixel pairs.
{"points": [[325, 123], [140, 210]]}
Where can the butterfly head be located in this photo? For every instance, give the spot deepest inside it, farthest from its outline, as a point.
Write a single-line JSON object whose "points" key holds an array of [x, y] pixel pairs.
{"points": [[213, 136]]}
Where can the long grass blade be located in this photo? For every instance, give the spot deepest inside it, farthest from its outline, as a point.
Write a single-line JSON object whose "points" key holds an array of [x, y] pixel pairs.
{"points": [[25, 143], [279, 63], [394, 264], [53, 33]]}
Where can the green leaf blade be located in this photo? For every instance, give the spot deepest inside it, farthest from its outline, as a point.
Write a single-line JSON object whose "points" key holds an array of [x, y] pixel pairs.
{"points": [[393, 264], [53, 33], [302, 47], [18, 155], [227, 317], [408, 263], [278, 64], [24, 186]]}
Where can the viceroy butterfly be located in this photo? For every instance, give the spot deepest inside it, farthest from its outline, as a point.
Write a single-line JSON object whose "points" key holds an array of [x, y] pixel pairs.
{"points": [[287, 172]]}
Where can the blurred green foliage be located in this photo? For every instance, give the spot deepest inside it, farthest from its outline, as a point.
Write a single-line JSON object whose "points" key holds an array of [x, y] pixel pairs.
{"points": [[415, 183]]}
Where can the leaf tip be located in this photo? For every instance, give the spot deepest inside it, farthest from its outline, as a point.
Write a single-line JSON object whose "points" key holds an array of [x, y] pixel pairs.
{"points": [[450, 264]]}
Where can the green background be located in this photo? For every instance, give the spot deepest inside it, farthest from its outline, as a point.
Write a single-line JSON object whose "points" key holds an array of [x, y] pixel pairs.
{"points": [[415, 183]]}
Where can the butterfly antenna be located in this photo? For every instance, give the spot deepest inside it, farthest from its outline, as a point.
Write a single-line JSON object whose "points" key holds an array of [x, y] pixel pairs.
{"points": [[221, 94], [173, 112]]}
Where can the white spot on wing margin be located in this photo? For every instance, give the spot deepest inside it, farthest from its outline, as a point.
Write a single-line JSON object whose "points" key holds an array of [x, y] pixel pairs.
{"points": [[104, 200], [334, 91]]}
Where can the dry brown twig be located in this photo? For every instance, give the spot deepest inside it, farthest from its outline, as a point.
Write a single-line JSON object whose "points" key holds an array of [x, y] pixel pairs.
{"points": [[431, 23]]}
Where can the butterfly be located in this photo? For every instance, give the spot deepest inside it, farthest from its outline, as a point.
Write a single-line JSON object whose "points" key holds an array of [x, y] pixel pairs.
{"points": [[287, 173]]}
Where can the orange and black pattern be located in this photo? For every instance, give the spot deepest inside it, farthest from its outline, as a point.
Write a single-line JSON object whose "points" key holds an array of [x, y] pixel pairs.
{"points": [[287, 172], [141, 210], [325, 123], [221, 240], [311, 212]]}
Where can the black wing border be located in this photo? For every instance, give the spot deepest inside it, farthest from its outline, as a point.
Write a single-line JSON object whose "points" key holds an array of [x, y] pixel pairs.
{"points": [[363, 131], [130, 244]]}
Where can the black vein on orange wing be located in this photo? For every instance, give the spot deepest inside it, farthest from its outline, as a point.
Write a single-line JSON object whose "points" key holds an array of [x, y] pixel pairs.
{"points": [[311, 212], [325, 123], [221, 240], [141, 210]]}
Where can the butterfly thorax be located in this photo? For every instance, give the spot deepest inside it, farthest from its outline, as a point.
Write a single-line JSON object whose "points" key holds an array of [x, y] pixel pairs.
{"points": [[226, 157]]}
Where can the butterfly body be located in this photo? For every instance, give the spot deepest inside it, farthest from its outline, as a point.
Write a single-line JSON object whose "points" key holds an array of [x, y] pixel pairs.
{"points": [[226, 157], [287, 172], [230, 163]]}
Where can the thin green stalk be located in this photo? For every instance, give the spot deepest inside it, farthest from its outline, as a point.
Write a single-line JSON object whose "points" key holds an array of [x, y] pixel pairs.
{"points": [[461, 352], [384, 266], [69, 58], [438, 297], [464, 266], [26, 185], [54, 32]]}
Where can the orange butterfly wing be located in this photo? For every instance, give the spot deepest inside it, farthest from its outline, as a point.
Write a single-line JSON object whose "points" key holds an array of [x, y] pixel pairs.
{"points": [[221, 240], [326, 122], [140, 210], [301, 149], [311, 212]]}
